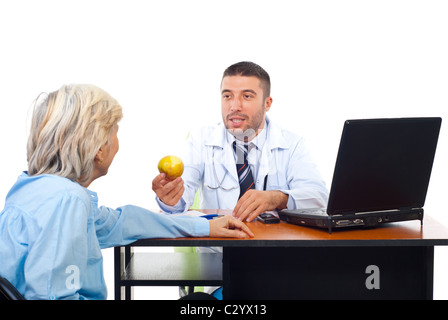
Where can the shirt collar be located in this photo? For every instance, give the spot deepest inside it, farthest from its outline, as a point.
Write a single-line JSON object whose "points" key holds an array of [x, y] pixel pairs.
{"points": [[220, 137], [258, 141]]}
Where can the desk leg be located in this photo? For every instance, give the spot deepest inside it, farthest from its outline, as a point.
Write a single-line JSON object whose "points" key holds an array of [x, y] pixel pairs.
{"points": [[122, 257], [328, 273], [128, 290], [118, 271]]}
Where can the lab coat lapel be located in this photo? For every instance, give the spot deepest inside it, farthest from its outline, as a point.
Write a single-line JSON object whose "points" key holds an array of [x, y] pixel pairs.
{"points": [[268, 161], [265, 163], [223, 157]]}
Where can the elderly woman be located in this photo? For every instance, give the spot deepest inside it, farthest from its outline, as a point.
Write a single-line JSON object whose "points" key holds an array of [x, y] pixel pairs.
{"points": [[51, 229]]}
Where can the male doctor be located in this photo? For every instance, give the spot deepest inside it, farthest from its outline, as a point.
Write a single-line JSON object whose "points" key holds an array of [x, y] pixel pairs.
{"points": [[281, 172]]}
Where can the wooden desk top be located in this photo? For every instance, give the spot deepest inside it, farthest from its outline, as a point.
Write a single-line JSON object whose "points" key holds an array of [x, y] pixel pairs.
{"points": [[409, 233]]}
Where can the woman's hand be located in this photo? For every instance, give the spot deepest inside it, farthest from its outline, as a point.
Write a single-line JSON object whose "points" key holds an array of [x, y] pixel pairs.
{"points": [[229, 227]]}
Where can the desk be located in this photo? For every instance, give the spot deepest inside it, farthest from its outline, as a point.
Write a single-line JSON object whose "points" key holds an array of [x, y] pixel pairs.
{"points": [[284, 261]]}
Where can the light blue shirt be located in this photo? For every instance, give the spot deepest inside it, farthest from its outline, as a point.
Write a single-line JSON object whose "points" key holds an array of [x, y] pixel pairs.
{"points": [[52, 232]]}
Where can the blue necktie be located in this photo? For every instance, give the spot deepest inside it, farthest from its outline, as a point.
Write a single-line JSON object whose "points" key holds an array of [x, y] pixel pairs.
{"points": [[242, 167]]}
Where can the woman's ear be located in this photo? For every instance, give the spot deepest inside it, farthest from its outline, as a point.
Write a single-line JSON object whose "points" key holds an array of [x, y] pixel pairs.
{"points": [[99, 155]]}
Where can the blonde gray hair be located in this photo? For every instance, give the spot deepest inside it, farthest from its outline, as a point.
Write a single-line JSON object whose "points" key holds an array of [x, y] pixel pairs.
{"points": [[68, 127]]}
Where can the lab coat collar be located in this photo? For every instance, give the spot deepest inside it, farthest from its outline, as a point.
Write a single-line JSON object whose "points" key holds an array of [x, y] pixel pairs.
{"points": [[274, 138], [218, 141]]}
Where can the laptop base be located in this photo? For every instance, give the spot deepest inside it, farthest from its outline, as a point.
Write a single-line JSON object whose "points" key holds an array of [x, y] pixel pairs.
{"points": [[358, 220]]}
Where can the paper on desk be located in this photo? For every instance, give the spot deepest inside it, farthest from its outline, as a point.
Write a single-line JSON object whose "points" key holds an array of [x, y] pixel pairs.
{"points": [[190, 213]]}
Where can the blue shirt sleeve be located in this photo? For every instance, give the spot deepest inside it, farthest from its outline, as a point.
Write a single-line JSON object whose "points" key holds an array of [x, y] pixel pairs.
{"points": [[129, 223], [13, 246], [177, 208]]}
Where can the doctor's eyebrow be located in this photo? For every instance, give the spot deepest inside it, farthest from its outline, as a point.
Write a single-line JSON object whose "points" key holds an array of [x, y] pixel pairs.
{"points": [[245, 91]]}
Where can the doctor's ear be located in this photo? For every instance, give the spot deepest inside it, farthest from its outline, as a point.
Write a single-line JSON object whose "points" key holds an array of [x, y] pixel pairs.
{"points": [[267, 104]]}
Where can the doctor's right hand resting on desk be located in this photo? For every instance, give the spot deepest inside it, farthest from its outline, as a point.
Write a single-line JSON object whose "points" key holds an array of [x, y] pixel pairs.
{"points": [[229, 227], [168, 191]]}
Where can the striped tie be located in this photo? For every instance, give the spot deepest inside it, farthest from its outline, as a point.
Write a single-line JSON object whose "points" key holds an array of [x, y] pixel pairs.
{"points": [[242, 167]]}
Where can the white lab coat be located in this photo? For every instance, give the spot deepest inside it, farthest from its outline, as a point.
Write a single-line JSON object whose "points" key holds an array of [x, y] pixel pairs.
{"points": [[210, 167]]}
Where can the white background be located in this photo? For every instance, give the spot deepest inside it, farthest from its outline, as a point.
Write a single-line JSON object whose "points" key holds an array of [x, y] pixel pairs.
{"points": [[163, 60]]}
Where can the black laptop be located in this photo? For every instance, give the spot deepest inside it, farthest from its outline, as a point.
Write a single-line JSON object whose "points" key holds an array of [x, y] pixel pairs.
{"points": [[381, 174]]}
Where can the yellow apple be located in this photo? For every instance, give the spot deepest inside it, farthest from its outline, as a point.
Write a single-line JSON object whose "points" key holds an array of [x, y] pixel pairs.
{"points": [[172, 166]]}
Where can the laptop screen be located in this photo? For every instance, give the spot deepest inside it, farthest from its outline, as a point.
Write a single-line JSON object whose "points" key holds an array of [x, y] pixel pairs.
{"points": [[383, 164]]}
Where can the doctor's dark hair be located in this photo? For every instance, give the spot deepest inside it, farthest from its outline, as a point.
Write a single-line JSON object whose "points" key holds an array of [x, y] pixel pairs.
{"points": [[250, 69]]}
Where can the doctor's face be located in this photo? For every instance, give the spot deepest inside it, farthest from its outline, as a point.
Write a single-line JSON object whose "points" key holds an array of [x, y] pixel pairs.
{"points": [[243, 106]]}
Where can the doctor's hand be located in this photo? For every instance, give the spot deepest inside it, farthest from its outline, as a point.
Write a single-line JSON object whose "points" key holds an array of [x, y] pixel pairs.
{"points": [[229, 227], [254, 202], [169, 192]]}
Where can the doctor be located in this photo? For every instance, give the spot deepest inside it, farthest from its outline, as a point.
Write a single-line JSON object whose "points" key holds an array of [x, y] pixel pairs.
{"points": [[283, 173]]}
